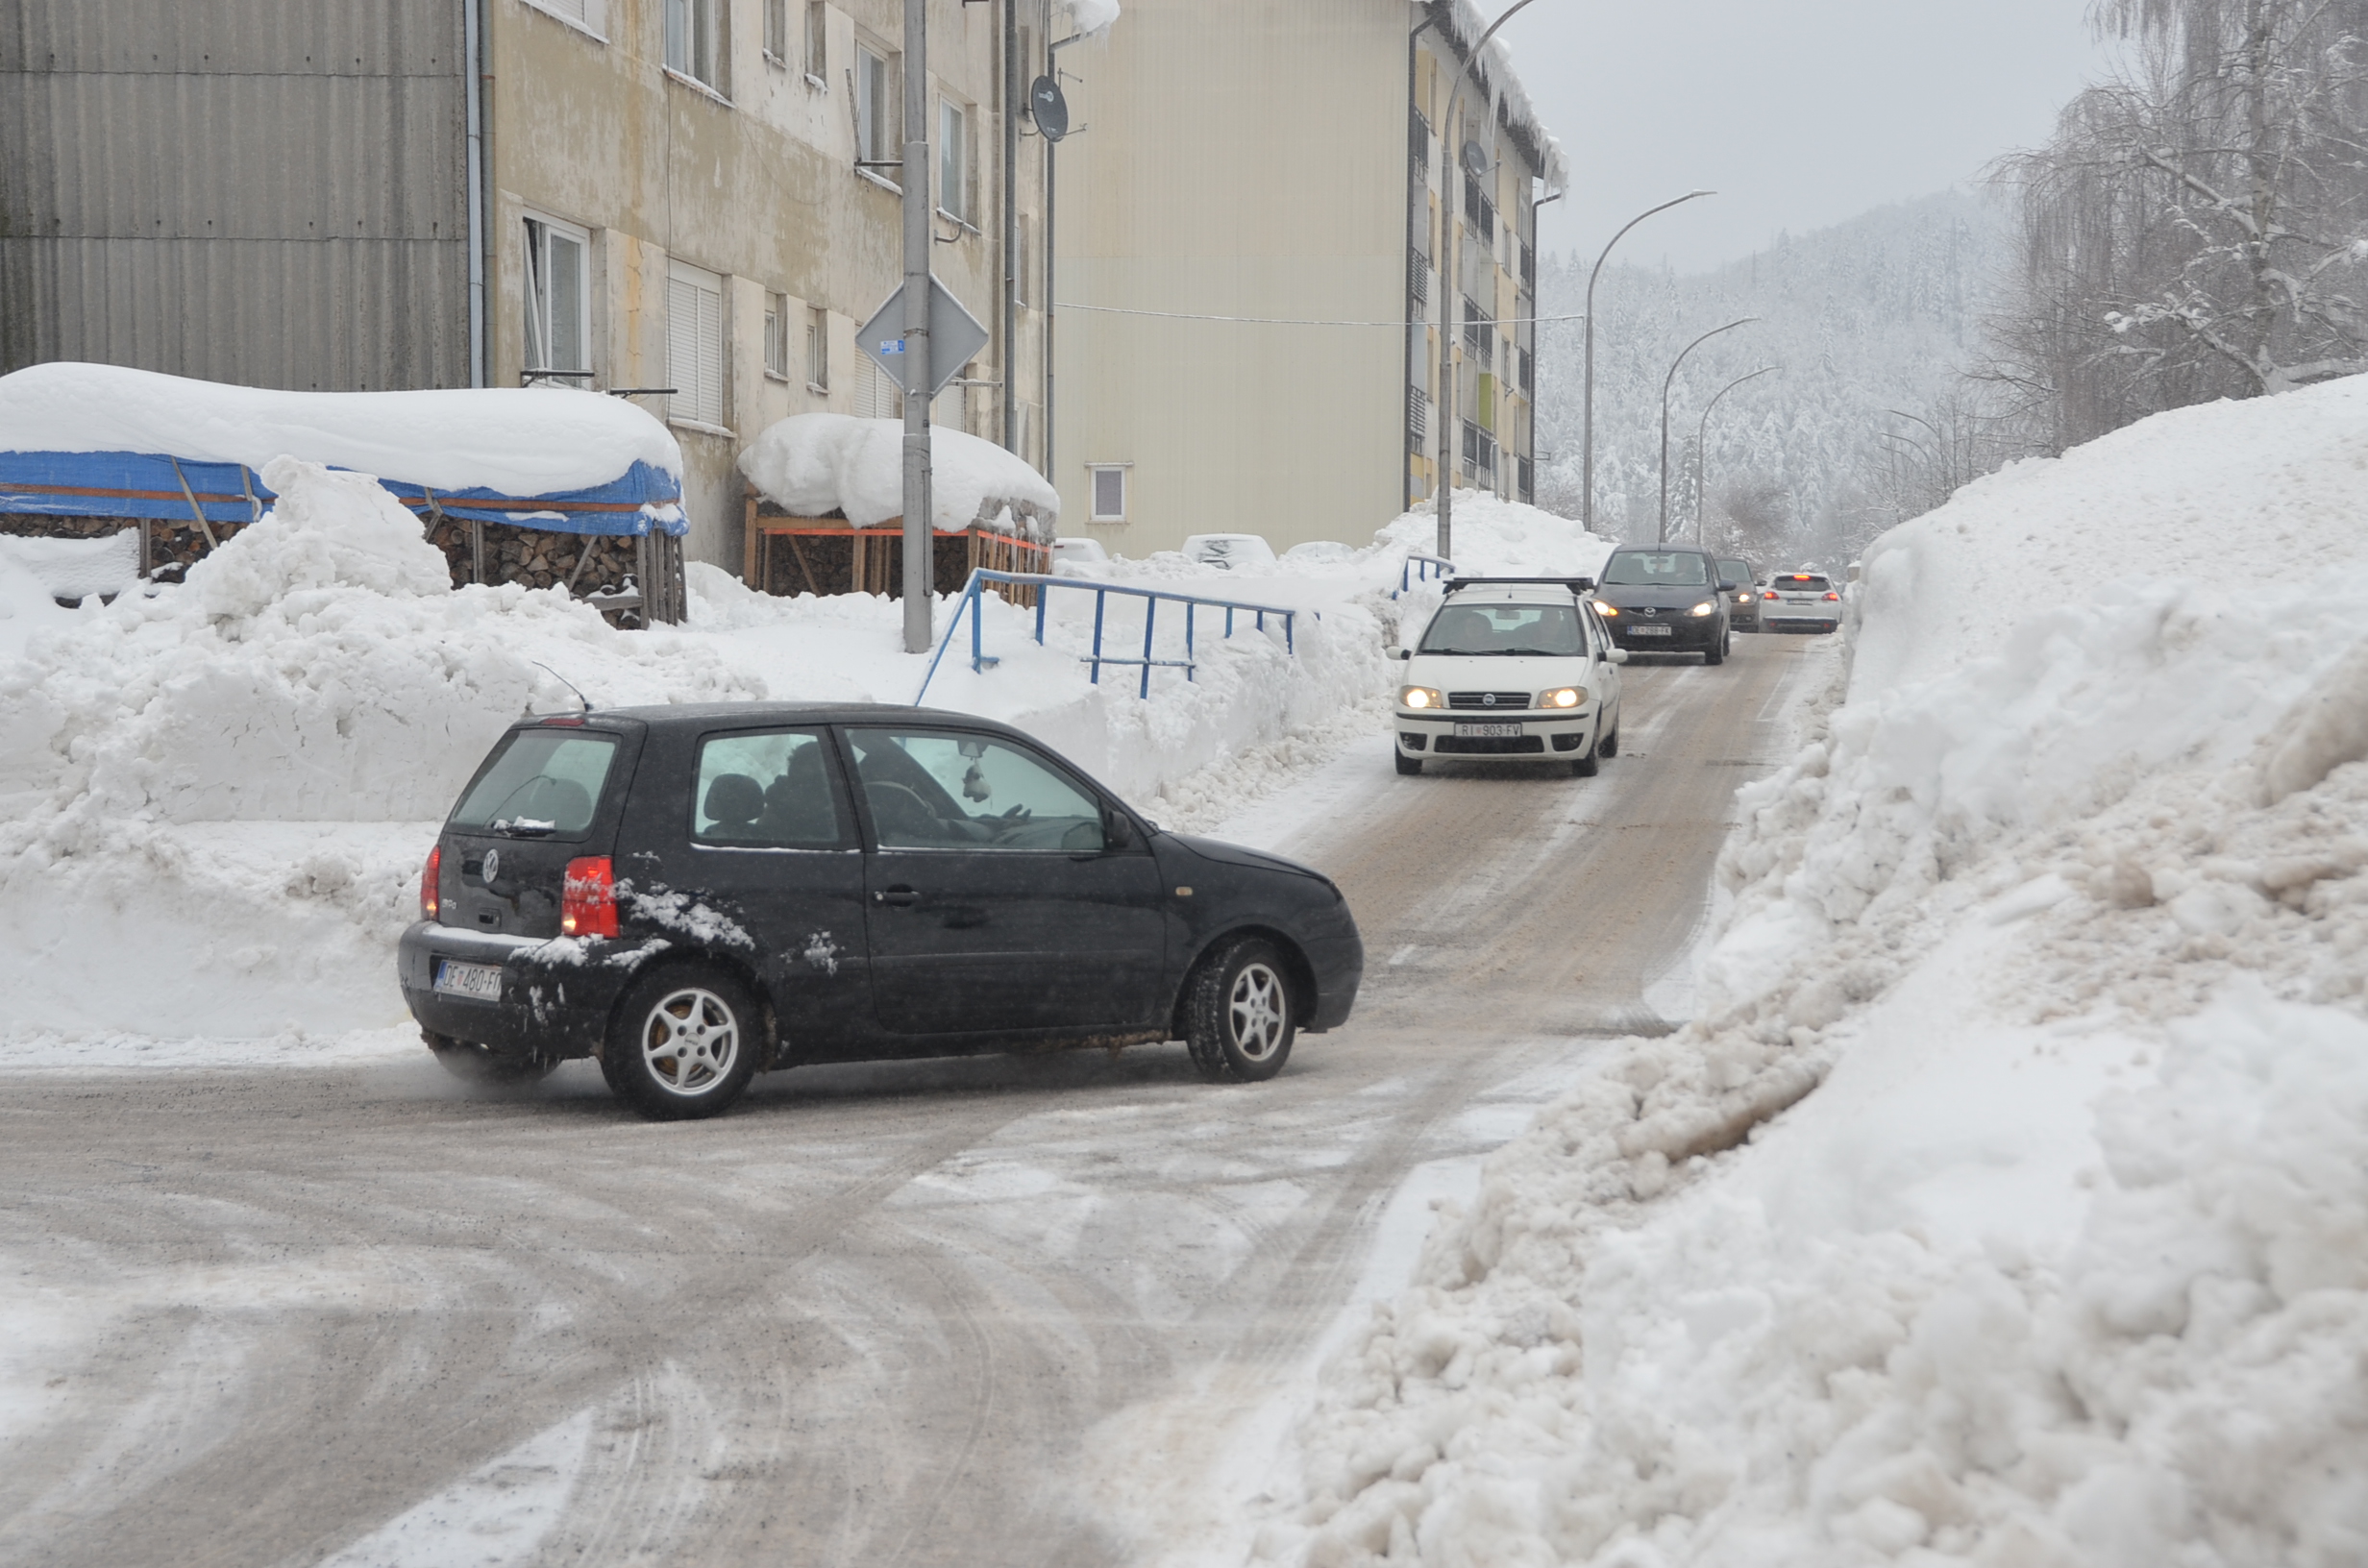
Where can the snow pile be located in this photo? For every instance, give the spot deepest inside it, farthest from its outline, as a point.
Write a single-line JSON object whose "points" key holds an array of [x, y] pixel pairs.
{"points": [[1092, 15], [2003, 1204], [817, 465], [518, 441], [27, 608], [74, 568], [169, 754]]}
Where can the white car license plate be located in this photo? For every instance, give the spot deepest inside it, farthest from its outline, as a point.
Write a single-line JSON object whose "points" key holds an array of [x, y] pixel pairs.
{"points": [[1485, 732], [1648, 632], [481, 981]]}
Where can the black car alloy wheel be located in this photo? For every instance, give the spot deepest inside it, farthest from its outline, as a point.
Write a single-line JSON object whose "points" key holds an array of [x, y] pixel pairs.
{"points": [[684, 1045], [1239, 1017]]}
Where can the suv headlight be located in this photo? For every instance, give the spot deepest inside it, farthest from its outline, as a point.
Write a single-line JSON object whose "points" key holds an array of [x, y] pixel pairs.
{"points": [[1419, 697], [1562, 696], [1709, 606]]}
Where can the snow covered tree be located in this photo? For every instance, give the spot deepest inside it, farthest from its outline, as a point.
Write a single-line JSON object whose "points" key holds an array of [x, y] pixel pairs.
{"points": [[2198, 226]]}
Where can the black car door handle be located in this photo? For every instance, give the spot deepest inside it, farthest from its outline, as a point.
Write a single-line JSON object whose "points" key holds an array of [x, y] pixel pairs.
{"points": [[902, 897]]}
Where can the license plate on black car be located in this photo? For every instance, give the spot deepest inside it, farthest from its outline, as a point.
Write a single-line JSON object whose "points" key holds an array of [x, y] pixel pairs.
{"points": [[1487, 733], [1648, 632], [482, 981]]}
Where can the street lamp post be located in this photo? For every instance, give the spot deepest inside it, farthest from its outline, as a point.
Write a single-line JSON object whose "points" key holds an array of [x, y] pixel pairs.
{"points": [[1587, 439], [1702, 454], [1666, 382], [1447, 292]]}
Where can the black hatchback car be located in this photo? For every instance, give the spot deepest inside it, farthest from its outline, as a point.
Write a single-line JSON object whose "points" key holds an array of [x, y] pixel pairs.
{"points": [[1667, 598], [694, 894]]}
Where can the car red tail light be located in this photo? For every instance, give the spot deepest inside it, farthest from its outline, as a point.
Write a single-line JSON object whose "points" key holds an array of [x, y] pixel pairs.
{"points": [[1770, 594], [588, 899], [430, 890], [1834, 595]]}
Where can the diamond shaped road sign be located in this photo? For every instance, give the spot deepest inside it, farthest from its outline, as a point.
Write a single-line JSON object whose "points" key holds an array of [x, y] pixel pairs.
{"points": [[956, 338]]}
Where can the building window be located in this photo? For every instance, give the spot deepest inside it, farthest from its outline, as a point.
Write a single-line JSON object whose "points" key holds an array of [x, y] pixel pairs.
{"points": [[776, 335], [558, 328], [953, 160], [695, 344], [817, 43], [777, 31], [875, 106], [587, 14], [817, 348], [695, 40], [1109, 492]]}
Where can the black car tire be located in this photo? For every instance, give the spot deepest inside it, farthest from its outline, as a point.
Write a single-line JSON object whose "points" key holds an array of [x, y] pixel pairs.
{"points": [[473, 1064], [1717, 653], [684, 1045], [1239, 1017], [1409, 765], [1586, 765]]}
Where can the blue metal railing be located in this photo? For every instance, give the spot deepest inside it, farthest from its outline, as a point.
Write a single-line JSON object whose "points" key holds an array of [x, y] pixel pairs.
{"points": [[1417, 569], [981, 659]]}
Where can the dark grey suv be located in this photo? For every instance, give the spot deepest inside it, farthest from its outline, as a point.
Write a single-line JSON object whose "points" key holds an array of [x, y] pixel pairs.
{"points": [[695, 895]]}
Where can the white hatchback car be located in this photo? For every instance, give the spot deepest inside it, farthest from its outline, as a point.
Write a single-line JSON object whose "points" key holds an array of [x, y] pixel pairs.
{"points": [[1510, 670]]}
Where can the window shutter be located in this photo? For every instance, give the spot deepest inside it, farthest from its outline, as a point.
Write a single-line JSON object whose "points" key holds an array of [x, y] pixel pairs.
{"points": [[682, 346], [710, 355]]}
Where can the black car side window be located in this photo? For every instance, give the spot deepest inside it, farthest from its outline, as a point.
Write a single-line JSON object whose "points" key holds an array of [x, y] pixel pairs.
{"points": [[767, 791], [947, 790]]}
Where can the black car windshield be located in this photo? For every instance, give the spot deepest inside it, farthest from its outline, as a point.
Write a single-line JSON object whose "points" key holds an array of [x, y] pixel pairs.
{"points": [[540, 782], [1550, 630], [1654, 569]]}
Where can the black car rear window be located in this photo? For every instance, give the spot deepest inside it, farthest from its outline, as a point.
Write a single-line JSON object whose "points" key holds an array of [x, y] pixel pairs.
{"points": [[1654, 569], [541, 782]]}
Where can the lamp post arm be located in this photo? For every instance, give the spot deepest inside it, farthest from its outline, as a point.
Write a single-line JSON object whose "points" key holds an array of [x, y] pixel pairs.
{"points": [[1701, 435], [1666, 382], [1586, 417]]}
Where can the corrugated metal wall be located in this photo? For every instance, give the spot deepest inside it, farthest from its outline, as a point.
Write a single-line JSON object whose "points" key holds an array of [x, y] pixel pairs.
{"points": [[245, 190]]}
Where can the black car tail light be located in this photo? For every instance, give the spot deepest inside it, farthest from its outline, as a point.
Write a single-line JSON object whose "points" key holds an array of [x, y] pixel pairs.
{"points": [[588, 899], [431, 893]]}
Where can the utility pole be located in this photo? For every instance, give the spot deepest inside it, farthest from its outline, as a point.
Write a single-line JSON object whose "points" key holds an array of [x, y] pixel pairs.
{"points": [[1586, 417], [919, 551], [1666, 382], [1448, 287], [1008, 316], [1702, 454]]}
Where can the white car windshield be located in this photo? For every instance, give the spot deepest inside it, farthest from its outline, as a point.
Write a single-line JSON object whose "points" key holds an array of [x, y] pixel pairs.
{"points": [[1548, 630]]}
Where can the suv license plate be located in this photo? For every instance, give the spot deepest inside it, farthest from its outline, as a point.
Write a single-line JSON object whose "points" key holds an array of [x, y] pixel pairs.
{"points": [[1648, 632], [1486, 732], [482, 981]]}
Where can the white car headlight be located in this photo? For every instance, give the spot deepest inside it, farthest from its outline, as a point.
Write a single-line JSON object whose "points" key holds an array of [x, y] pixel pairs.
{"points": [[1709, 606], [1562, 696], [1419, 697]]}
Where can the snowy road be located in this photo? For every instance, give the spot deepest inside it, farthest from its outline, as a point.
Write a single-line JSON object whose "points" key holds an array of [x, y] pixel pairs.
{"points": [[997, 1312]]}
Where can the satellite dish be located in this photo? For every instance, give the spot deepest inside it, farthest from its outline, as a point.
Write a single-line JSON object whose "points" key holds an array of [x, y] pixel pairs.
{"points": [[1050, 109], [1475, 160]]}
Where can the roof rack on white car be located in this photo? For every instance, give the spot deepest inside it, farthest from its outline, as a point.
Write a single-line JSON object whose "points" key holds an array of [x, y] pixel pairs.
{"points": [[1577, 585]]}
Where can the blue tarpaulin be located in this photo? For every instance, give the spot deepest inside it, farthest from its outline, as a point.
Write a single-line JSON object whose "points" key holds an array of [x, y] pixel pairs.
{"points": [[175, 489]]}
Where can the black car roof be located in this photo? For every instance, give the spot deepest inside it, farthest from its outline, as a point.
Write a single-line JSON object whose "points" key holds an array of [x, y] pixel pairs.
{"points": [[707, 715]]}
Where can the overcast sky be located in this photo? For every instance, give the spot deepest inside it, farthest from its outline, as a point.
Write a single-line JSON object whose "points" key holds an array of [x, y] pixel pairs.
{"points": [[1799, 112]]}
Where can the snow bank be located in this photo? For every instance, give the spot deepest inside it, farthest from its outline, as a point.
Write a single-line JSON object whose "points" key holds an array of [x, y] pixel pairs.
{"points": [[72, 569], [518, 441], [814, 465], [2003, 1205], [316, 669], [27, 608], [1092, 16]]}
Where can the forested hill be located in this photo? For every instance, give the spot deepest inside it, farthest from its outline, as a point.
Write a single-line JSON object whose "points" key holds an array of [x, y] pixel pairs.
{"points": [[1881, 312]]}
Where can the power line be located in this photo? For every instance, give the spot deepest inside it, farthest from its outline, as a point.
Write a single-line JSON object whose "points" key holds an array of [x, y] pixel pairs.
{"points": [[1286, 321]]}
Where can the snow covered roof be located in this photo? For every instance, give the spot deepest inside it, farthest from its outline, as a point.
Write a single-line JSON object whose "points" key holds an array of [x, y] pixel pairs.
{"points": [[103, 440], [1464, 23], [813, 465]]}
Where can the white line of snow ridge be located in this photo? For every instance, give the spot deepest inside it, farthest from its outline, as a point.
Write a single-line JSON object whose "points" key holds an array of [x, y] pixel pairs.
{"points": [[2065, 1258]]}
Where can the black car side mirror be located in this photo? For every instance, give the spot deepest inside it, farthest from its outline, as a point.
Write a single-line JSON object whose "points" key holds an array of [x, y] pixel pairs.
{"points": [[1118, 832], [1728, 585]]}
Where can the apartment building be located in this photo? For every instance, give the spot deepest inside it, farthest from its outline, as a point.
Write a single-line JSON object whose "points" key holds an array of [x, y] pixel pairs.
{"points": [[694, 203], [1252, 232]]}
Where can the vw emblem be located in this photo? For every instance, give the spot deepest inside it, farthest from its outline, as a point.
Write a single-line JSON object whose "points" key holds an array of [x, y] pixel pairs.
{"points": [[493, 864], [1487, 700]]}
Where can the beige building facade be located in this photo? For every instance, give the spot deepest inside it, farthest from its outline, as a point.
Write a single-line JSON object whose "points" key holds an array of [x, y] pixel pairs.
{"points": [[1250, 232], [679, 200]]}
